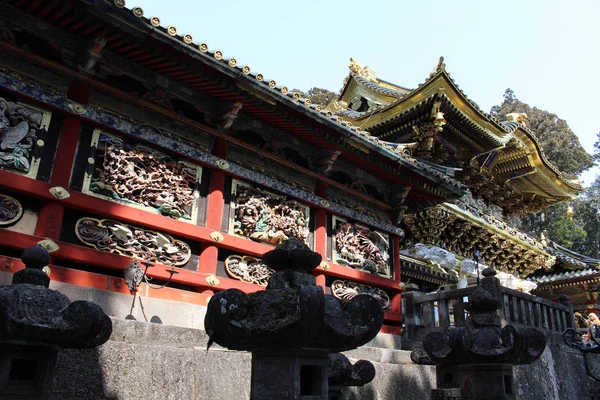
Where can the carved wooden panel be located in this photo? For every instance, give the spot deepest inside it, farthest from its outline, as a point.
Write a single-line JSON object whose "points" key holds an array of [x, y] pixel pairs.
{"points": [[360, 247], [131, 241], [265, 216], [11, 210], [140, 176], [248, 269], [22, 132], [346, 290]]}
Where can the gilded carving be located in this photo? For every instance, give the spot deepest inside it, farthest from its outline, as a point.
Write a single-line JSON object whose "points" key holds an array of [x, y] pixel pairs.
{"points": [[267, 217], [346, 290], [361, 248], [21, 128], [11, 210], [131, 241], [441, 228], [140, 176], [248, 269]]}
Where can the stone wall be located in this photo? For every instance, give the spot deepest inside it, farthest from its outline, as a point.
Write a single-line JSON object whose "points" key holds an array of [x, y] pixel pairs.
{"points": [[152, 361]]}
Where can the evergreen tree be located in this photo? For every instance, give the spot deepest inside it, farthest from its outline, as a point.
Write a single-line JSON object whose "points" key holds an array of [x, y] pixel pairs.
{"points": [[557, 140], [318, 95], [562, 148]]}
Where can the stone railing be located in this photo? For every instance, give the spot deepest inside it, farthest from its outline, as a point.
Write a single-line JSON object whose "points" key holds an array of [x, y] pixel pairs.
{"points": [[425, 313]]}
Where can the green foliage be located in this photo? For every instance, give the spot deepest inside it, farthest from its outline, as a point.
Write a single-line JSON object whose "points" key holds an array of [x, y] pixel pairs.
{"points": [[558, 141], [562, 148], [318, 95], [579, 233]]}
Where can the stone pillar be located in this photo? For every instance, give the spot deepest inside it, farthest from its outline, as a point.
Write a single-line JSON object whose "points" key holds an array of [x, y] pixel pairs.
{"points": [[282, 375], [486, 382], [35, 322]]}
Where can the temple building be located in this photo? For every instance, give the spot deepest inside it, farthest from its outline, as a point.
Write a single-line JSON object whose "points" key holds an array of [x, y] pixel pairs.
{"points": [[157, 168]]}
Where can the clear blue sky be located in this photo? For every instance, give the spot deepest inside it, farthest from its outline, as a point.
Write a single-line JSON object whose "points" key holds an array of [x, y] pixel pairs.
{"points": [[545, 50]]}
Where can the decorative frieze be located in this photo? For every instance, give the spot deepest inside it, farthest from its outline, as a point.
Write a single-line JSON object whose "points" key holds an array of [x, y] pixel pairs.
{"points": [[346, 290], [22, 131], [360, 247], [138, 175], [440, 227], [131, 241], [248, 269], [11, 210], [266, 217], [175, 144]]}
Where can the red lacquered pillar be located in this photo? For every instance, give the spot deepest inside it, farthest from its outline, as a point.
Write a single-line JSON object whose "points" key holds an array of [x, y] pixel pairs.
{"points": [[214, 211]]}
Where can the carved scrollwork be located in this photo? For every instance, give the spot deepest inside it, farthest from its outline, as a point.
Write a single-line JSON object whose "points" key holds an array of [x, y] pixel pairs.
{"points": [[131, 241], [22, 129], [248, 269], [11, 210], [267, 217], [346, 290], [141, 176], [361, 248]]}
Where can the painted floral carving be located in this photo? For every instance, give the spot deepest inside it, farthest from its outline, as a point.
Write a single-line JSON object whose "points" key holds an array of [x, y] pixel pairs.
{"points": [[136, 174], [10, 210], [361, 248], [248, 269], [21, 128], [114, 237], [346, 290], [267, 217]]}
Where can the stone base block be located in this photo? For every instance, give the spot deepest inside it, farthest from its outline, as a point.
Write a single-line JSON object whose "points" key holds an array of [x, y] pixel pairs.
{"points": [[300, 376]]}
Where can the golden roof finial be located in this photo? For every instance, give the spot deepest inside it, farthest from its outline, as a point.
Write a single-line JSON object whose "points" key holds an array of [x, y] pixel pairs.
{"points": [[517, 117], [362, 71], [441, 65]]}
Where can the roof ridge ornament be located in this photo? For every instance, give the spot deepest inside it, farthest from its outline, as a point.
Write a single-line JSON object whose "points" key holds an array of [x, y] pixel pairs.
{"points": [[362, 71], [517, 117]]}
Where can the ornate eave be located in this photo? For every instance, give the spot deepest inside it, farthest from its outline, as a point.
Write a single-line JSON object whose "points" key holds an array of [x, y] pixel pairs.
{"points": [[515, 154]]}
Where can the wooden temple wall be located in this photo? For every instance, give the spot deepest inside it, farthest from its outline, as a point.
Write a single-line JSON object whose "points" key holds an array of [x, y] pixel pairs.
{"points": [[64, 159]]}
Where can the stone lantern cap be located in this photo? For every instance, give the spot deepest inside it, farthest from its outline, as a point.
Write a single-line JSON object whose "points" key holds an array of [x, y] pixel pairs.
{"points": [[30, 312], [293, 312], [483, 340]]}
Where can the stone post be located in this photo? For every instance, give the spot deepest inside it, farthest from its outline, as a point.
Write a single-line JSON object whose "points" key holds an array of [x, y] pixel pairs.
{"points": [[291, 327], [483, 350], [35, 322]]}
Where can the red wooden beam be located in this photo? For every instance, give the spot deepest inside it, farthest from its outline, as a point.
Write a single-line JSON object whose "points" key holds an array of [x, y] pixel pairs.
{"points": [[87, 256], [137, 217]]}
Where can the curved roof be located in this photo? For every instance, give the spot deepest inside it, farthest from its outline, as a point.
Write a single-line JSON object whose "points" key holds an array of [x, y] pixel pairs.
{"points": [[525, 164]]}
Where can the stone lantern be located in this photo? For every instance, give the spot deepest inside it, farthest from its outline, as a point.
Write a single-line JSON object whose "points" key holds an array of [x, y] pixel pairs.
{"points": [[479, 357], [35, 323], [291, 327]]}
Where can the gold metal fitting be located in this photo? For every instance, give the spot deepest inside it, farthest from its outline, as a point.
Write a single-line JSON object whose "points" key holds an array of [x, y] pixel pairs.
{"points": [[307, 102], [272, 84], [119, 3], [260, 77], [155, 21], [203, 47], [296, 96], [188, 39], [212, 280], [318, 108], [246, 69], [232, 62], [284, 90], [172, 31], [216, 236], [218, 55]]}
